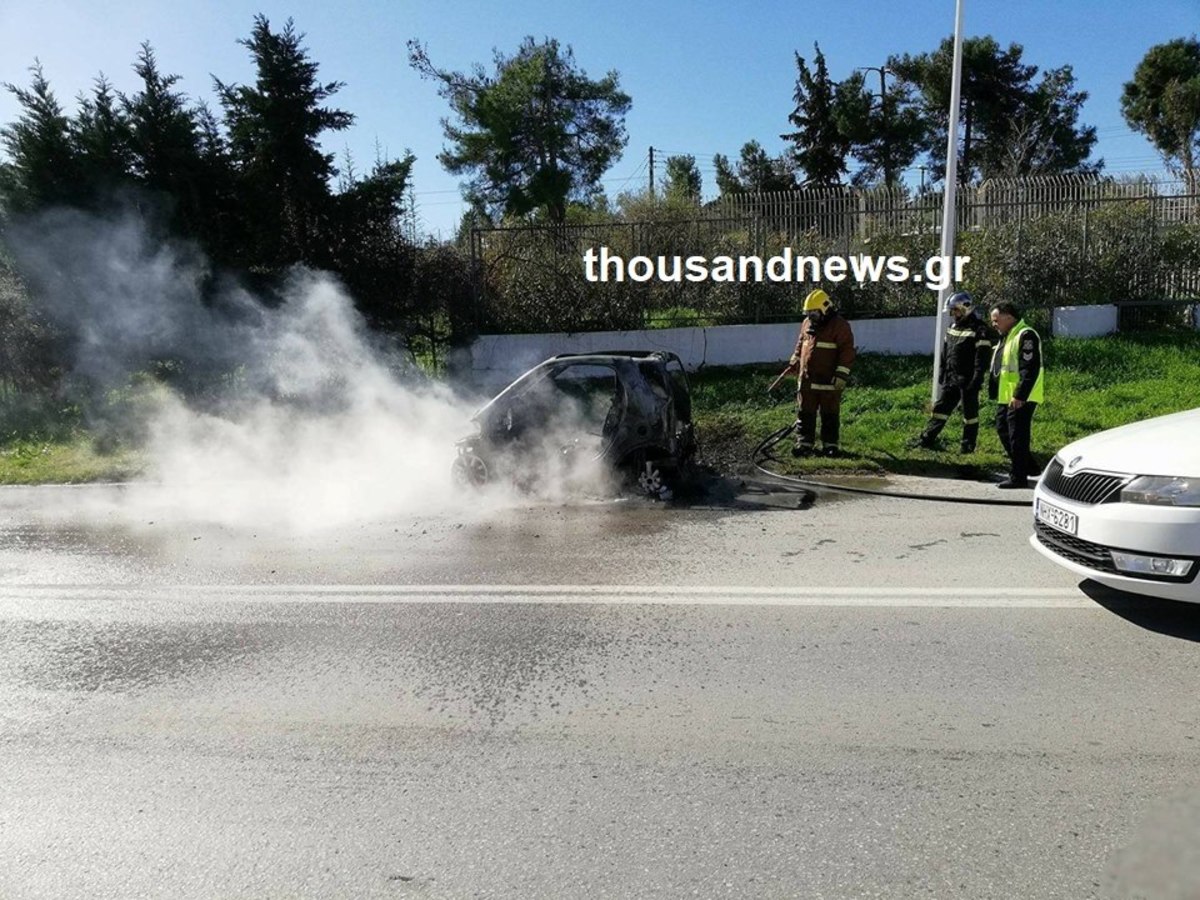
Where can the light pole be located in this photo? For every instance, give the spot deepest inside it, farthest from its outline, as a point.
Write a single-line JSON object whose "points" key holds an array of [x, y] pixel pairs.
{"points": [[949, 219]]}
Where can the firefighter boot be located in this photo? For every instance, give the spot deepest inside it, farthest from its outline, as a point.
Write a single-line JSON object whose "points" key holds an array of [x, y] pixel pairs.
{"points": [[806, 433]]}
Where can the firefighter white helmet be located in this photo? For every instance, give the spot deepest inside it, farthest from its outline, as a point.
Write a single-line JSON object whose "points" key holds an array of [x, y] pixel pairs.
{"points": [[960, 300]]}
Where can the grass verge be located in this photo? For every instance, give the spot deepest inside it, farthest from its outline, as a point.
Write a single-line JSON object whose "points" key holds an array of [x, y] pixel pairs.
{"points": [[1091, 385], [72, 459]]}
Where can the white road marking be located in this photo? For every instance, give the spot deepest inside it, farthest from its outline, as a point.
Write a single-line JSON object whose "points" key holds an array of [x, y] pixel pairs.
{"points": [[945, 597]]}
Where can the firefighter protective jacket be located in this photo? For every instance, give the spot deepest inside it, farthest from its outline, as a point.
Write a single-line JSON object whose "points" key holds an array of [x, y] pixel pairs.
{"points": [[967, 352], [824, 351]]}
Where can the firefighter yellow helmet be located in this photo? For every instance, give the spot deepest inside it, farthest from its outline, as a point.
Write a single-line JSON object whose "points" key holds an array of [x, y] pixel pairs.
{"points": [[817, 301]]}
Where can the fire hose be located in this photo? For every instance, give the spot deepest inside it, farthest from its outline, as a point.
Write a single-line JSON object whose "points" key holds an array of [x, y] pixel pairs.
{"points": [[762, 454]]}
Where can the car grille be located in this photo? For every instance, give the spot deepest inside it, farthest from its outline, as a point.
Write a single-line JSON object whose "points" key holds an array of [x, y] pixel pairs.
{"points": [[1078, 551], [1095, 556], [1084, 487]]}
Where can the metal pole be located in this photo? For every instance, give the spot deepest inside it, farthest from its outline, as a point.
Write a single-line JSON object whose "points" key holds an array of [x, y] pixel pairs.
{"points": [[949, 222], [889, 176]]}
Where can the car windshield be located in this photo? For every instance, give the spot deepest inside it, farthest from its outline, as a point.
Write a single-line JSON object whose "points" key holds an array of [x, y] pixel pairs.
{"points": [[579, 397], [522, 385]]}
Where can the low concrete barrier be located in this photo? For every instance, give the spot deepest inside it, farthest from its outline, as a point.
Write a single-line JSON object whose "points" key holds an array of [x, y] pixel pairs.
{"points": [[496, 359], [1085, 321]]}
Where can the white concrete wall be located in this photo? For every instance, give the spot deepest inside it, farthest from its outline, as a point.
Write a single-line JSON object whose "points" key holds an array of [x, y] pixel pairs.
{"points": [[1085, 321], [496, 359]]}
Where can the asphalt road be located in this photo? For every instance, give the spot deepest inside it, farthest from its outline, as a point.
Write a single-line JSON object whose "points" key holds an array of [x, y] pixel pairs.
{"points": [[861, 698]]}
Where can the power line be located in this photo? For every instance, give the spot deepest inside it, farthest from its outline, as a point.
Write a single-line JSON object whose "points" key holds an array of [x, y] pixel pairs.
{"points": [[640, 169]]}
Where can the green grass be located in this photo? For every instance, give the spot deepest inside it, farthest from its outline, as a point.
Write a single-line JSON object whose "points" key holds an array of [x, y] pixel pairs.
{"points": [[72, 460], [1091, 385], [679, 317], [43, 439]]}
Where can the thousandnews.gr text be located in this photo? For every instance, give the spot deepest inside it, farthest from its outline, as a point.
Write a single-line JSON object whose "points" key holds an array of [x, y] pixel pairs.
{"points": [[937, 273]]}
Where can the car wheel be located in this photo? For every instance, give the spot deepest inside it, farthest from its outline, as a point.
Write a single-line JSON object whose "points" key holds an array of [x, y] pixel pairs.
{"points": [[652, 478], [469, 470]]}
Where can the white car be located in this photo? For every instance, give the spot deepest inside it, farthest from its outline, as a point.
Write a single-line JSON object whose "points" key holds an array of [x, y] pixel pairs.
{"points": [[1122, 507]]}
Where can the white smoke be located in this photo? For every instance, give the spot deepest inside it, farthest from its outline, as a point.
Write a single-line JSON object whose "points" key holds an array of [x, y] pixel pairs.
{"points": [[333, 437], [304, 420]]}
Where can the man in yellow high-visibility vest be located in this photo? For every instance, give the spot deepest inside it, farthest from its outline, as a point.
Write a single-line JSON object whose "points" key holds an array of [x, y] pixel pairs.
{"points": [[1016, 384]]}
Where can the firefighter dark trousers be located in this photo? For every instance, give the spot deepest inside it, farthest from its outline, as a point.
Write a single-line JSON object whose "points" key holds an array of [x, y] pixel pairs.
{"points": [[1014, 426], [948, 399], [812, 400]]}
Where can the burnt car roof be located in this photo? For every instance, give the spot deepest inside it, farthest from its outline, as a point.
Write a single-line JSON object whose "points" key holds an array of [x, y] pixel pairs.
{"points": [[599, 357], [619, 354]]}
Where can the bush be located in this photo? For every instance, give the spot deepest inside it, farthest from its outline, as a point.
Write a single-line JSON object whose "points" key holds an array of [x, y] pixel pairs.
{"points": [[1109, 248]]}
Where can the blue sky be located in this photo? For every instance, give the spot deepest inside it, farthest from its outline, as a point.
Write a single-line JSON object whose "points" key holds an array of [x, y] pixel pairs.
{"points": [[705, 77]]}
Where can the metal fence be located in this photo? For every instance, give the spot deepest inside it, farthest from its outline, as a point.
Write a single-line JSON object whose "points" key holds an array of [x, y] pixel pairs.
{"points": [[1151, 315], [835, 212], [1046, 241]]}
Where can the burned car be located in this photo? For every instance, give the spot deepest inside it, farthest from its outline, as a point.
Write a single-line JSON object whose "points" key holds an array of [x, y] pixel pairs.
{"points": [[627, 413]]}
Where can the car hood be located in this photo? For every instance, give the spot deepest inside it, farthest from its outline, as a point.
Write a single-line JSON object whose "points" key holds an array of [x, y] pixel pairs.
{"points": [[1166, 445]]}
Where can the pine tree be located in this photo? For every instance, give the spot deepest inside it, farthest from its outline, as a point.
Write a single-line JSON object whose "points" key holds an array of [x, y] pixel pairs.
{"points": [[1008, 124], [683, 179], [274, 132], [821, 142], [101, 135], [756, 172], [1163, 102], [44, 169], [164, 141], [535, 135]]}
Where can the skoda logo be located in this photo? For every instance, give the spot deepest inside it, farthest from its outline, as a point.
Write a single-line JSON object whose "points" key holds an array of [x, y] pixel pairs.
{"points": [[1076, 461]]}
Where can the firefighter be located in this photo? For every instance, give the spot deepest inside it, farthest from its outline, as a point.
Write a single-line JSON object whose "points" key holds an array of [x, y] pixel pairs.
{"points": [[822, 359], [966, 353], [1016, 384]]}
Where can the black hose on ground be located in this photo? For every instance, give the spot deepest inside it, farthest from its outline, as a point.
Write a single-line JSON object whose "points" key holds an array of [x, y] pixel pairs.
{"points": [[762, 453]]}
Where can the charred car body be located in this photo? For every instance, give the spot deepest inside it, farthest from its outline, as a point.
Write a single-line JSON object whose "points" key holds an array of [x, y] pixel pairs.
{"points": [[628, 412]]}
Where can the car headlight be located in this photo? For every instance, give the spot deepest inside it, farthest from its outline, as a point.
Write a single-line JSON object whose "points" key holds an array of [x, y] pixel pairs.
{"points": [[1162, 490]]}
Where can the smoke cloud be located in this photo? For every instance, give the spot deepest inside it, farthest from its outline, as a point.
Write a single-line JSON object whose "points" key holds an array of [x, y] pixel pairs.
{"points": [[295, 414]]}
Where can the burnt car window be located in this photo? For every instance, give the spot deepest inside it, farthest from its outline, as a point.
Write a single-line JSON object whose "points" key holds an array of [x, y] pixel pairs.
{"points": [[679, 385], [593, 394], [655, 377]]}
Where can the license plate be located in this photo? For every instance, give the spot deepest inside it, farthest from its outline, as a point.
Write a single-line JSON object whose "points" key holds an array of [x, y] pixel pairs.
{"points": [[1056, 518]]}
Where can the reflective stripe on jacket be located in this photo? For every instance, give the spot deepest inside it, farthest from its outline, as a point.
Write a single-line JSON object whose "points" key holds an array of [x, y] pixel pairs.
{"points": [[824, 353], [966, 352]]}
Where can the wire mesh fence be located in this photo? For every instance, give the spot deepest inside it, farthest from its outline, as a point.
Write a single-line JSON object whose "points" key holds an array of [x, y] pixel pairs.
{"points": [[1151, 315], [1042, 242]]}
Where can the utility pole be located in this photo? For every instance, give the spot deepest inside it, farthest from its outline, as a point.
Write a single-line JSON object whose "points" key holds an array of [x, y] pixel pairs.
{"points": [[651, 171], [888, 175]]}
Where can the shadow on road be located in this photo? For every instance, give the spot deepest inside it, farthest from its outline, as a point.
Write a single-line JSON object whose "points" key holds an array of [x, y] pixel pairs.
{"points": [[1169, 617]]}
